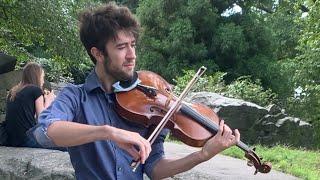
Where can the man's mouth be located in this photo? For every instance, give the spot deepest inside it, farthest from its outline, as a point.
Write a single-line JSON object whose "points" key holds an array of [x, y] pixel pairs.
{"points": [[128, 65]]}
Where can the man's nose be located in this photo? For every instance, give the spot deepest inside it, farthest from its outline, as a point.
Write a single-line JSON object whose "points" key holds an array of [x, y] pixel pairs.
{"points": [[131, 53]]}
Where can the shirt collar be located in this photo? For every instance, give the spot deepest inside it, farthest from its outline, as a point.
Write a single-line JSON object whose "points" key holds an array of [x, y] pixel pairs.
{"points": [[92, 82]]}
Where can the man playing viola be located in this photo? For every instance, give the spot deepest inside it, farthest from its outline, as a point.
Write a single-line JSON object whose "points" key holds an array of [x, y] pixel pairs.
{"points": [[101, 144]]}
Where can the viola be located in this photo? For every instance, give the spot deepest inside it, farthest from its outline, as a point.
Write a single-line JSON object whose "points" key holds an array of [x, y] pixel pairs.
{"points": [[192, 123]]}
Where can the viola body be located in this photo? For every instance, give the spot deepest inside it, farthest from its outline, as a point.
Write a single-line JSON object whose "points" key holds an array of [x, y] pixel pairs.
{"points": [[142, 109]]}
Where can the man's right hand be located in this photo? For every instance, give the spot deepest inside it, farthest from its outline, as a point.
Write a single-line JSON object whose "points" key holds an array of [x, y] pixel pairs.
{"points": [[49, 97], [127, 140]]}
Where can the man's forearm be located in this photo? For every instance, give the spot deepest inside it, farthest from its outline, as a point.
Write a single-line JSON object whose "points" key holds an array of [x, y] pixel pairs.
{"points": [[169, 167], [66, 134]]}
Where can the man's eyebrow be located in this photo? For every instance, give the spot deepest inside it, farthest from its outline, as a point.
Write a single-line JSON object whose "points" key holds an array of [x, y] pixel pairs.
{"points": [[124, 43]]}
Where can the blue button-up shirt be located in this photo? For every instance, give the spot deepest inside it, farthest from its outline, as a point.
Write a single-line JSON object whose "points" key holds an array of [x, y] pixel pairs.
{"points": [[89, 104]]}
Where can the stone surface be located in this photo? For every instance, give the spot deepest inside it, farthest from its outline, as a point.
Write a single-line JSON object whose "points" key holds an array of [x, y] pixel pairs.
{"points": [[34, 163], [7, 63], [268, 126], [237, 113], [286, 130], [2, 117], [7, 81], [10, 79]]}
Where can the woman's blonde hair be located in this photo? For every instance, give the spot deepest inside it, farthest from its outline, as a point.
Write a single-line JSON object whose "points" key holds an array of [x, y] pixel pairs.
{"points": [[31, 75]]}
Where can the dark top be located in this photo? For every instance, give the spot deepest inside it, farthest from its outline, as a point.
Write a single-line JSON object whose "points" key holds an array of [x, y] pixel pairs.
{"points": [[20, 114]]}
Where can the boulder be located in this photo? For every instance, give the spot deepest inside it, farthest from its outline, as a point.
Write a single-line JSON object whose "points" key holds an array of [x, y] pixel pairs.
{"points": [[57, 87], [7, 81], [7, 63], [2, 117], [274, 109], [10, 79], [237, 113], [3, 95], [281, 129], [268, 126], [34, 163]]}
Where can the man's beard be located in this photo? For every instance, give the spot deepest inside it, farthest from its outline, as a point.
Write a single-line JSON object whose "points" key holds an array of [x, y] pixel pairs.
{"points": [[117, 74]]}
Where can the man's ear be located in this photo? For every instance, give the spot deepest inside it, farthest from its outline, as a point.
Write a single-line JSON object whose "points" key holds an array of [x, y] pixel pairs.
{"points": [[97, 54]]}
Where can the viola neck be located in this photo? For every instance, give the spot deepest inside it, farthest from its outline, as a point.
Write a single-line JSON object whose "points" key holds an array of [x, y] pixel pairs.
{"points": [[207, 123]]}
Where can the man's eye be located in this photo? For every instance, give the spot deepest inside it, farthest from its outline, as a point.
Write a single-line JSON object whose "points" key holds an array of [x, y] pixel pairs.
{"points": [[133, 45]]}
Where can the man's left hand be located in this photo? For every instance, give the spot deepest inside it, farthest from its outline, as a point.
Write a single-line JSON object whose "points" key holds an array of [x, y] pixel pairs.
{"points": [[221, 141]]}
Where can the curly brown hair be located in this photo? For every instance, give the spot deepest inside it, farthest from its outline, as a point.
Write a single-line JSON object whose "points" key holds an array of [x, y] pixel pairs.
{"points": [[98, 26]]}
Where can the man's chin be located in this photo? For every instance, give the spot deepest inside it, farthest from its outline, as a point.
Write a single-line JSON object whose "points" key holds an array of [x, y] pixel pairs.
{"points": [[127, 76]]}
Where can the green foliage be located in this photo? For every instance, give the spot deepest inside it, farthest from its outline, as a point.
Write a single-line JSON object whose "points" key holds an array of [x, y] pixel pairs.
{"points": [[211, 83], [273, 74], [243, 88], [56, 70], [307, 106], [10, 46], [252, 91], [45, 24], [307, 68], [43, 29], [227, 35], [187, 34], [285, 29], [175, 35]]}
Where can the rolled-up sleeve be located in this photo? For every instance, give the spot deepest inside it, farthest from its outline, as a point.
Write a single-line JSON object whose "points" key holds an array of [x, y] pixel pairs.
{"points": [[63, 108], [156, 154]]}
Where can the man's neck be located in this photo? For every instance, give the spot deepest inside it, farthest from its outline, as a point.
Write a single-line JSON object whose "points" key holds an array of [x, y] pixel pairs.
{"points": [[105, 80]]}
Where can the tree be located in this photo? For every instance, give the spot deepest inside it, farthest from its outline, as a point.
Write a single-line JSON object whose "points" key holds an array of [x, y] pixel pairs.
{"points": [[307, 66], [176, 35], [43, 29], [186, 34]]}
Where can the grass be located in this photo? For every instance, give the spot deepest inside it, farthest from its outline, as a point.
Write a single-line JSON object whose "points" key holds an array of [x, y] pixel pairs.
{"points": [[301, 163]]}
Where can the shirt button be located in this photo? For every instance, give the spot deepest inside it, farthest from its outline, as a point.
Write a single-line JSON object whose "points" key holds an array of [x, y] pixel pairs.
{"points": [[119, 169]]}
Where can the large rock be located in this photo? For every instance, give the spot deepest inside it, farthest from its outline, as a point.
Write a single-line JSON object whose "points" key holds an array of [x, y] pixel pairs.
{"points": [[10, 79], [57, 87], [3, 95], [7, 63], [7, 81], [268, 126], [238, 113], [34, 163], [277, 127], [2, 117]]}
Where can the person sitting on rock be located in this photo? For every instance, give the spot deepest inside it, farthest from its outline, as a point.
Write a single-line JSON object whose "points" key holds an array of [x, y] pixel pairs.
{"points": [[25, 102]]}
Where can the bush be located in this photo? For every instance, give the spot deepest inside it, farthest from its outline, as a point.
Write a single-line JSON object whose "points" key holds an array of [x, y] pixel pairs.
{"points": [[306, 105], [56, 70], [244, 88], [211, 83]]}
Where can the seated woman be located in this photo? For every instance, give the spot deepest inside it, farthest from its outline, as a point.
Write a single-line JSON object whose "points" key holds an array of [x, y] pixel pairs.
{"points": [[25, 102]]}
